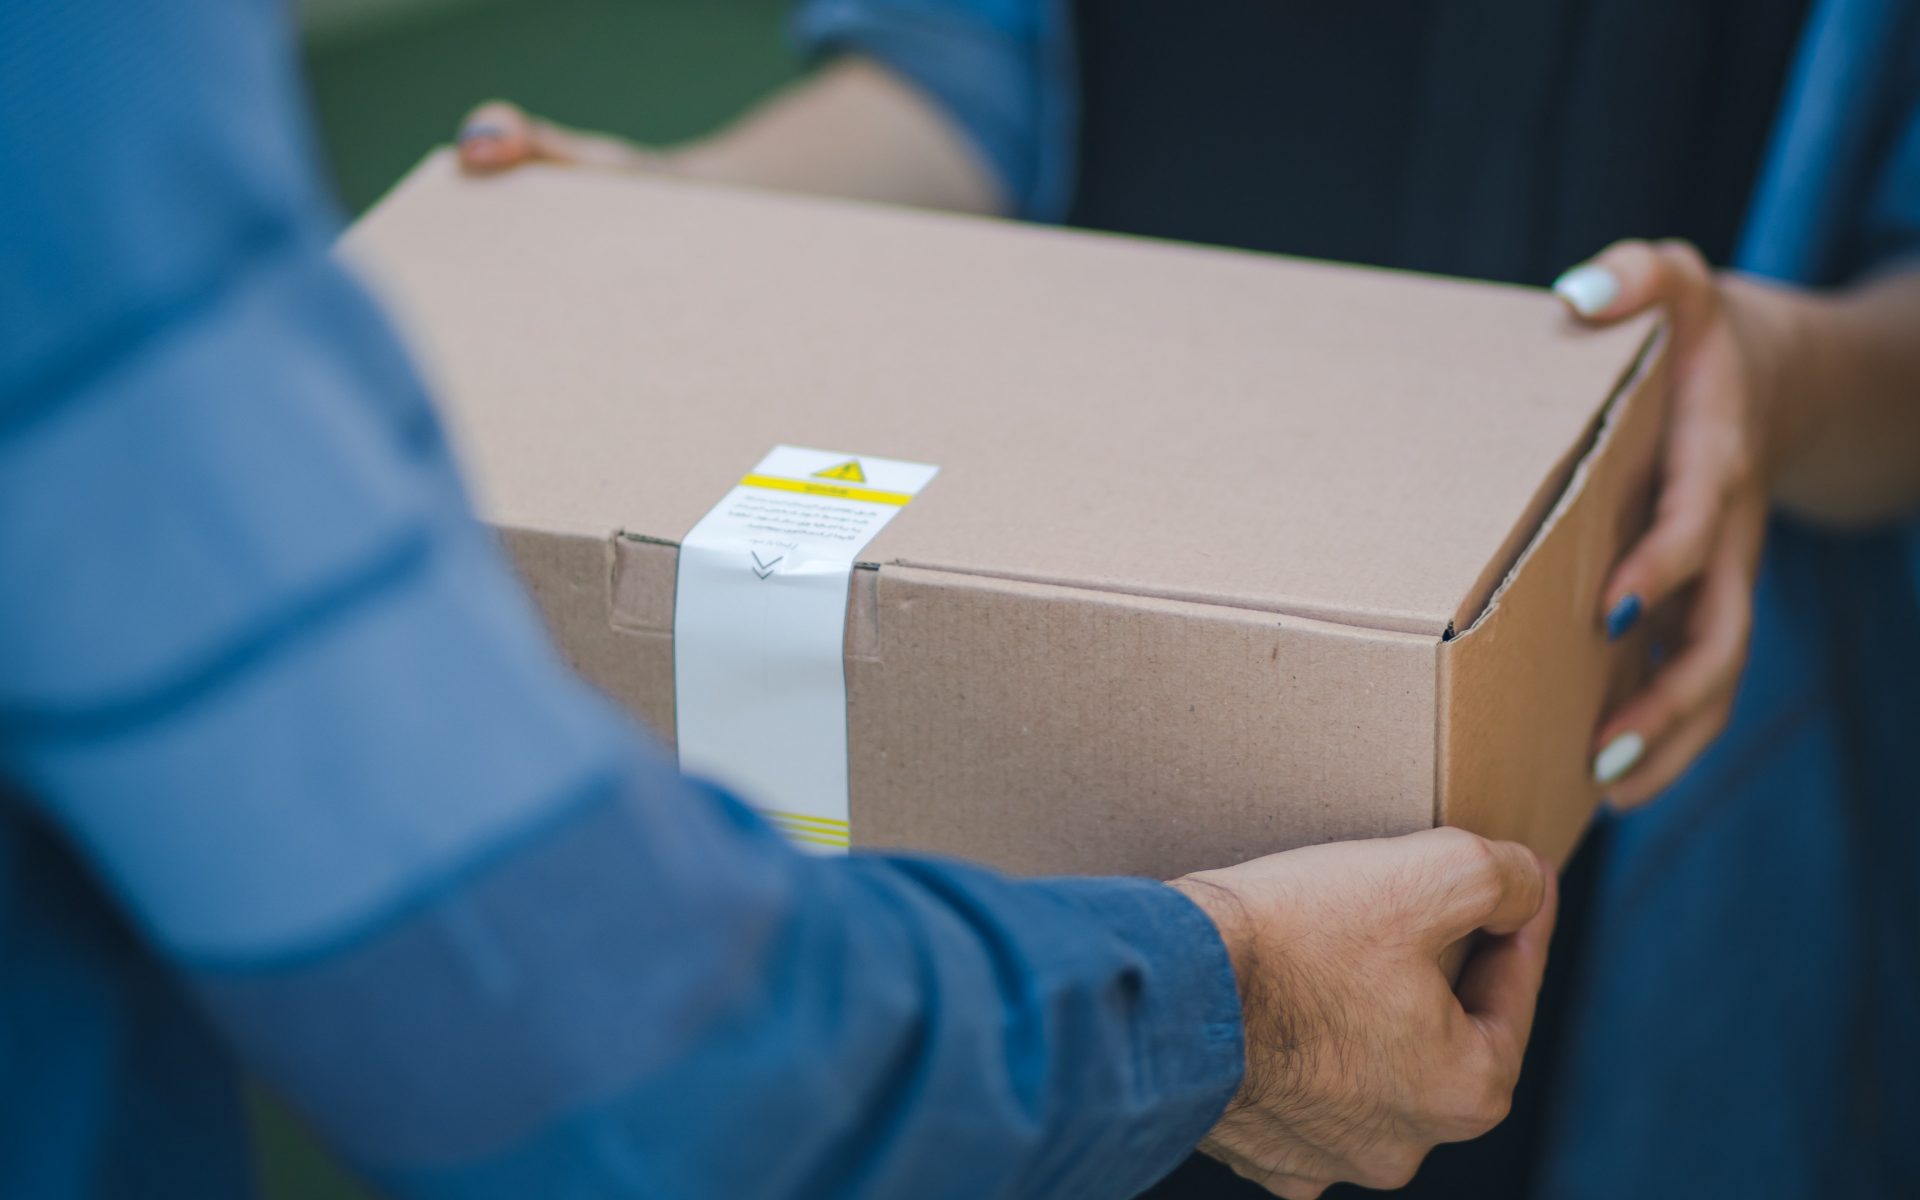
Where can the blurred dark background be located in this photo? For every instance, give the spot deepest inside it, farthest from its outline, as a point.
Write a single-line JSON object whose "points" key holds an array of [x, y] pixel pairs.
{"points": [[391, 79]]}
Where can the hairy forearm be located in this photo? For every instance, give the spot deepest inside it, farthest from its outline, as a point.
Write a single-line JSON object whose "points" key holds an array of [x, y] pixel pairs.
{"points": [[1843, 380], [852, 129]]}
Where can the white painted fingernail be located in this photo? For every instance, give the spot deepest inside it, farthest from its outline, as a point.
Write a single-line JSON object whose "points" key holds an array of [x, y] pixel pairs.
{"points": [[1589, 289], [1620, 756]]}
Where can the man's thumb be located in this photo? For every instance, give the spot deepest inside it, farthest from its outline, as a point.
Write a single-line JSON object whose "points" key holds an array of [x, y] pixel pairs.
{"points": [[1470, 883]]}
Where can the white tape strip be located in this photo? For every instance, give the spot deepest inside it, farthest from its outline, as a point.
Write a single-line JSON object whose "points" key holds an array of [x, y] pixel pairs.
{"points": [[759, 621]]}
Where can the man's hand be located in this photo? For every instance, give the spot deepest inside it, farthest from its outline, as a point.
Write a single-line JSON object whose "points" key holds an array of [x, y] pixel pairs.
{"points": [[1361, 1057]]}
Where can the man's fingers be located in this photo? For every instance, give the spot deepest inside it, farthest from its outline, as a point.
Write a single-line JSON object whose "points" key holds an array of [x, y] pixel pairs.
{"points": [[1467, 883], [1501, 985], [1502, 979]]}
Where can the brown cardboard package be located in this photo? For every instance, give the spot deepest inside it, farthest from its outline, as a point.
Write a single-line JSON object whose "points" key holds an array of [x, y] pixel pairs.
{"points": [[1227, 553]]}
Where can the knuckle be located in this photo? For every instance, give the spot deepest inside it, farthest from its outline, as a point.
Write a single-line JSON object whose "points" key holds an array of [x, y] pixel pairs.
{"points": [[1631, 252], [1455, 846], [1685, 258], [1681, 249], [1494, 1103], [1485, 877], [1484, 1100], [1686, 520], [1497, 1110], [1697, 512], [1473, 864], [1392, 1170], [1467, 848]]}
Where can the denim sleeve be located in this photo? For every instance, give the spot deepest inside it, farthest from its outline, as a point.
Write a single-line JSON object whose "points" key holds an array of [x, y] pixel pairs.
{"points": [[259, 665], [1002, 69]]}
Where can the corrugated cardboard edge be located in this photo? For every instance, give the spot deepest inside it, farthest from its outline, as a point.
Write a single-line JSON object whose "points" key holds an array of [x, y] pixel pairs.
{"points": [[1551, 496], [1087, 774], [1537, 657], [1049, 730]]}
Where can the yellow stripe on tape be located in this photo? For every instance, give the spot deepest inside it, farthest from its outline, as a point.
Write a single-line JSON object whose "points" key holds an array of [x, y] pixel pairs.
{"points": [[797, 836], [818, 831], [813, 487], [826, 824]]}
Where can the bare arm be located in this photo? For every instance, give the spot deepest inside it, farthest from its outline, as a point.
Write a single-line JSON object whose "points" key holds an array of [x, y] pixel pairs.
{"points": [[1845, 393], [853, 128]]}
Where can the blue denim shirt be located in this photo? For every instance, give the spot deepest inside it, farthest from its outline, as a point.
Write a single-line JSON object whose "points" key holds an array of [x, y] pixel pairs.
{"points": [[291, 779], [1743, 1024]]}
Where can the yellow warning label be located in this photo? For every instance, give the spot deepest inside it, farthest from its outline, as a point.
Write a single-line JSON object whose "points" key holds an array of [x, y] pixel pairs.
{"points": [[847, 472], [869, 495]]}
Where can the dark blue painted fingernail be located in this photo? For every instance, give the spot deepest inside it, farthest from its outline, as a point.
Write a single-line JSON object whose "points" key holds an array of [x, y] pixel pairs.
{"points": [[479, 130], [1625, 615]]}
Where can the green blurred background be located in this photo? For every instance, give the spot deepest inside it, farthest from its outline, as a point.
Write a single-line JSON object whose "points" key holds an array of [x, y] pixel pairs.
{"points": [[390, 79]]}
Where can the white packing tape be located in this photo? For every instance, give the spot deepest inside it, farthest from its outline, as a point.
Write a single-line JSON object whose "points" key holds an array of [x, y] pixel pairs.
{"points": [[759, 622]]}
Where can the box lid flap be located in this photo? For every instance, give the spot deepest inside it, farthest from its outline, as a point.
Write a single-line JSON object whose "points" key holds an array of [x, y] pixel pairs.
{"points": [[1364, 446]]}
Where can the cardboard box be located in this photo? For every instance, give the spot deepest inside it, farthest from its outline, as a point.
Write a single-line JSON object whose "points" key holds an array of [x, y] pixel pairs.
{"points": [[1228, 553]]}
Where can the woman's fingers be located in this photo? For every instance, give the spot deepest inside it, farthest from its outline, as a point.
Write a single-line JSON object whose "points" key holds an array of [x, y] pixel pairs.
{"points": [[1700, 473], [1708, 526], [498, 134], [1670, 759], [1632, 276], [1651, 739], [1707, 475], [1670, 555]]}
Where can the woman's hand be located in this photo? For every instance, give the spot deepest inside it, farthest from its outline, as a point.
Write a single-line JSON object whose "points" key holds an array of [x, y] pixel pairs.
{"points": [[1696, 566], [498, 135], [853, 128]]}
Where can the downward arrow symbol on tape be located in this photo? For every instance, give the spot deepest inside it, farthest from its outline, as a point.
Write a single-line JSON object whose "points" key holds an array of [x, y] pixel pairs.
{"points": [[764, 569]]}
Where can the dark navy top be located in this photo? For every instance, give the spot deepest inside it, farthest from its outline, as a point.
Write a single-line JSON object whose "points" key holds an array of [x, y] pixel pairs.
{"points": [[1498, 139]]}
